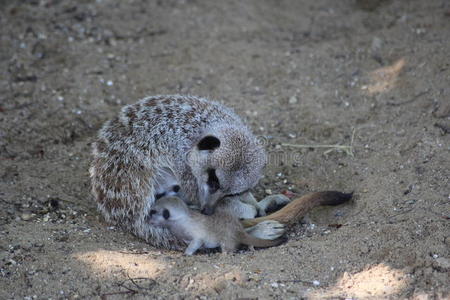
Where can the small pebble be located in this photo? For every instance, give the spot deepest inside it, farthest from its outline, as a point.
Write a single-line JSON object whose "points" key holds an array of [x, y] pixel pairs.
{"points": [[316, 282], [26, 217], [376, 44], [293, 100], [268, 191], [442, 263]]}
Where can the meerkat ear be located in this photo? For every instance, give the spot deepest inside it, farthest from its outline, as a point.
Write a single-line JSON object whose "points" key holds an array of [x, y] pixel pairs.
{"points": [[209, 142], [166, 214]]}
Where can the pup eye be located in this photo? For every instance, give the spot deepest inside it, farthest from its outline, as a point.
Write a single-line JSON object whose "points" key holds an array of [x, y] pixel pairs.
{"points": [[152, 212], [176, 188], [213, 182], [166, 214]]}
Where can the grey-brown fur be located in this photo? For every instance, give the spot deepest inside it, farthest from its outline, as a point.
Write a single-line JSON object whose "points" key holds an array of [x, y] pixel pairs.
{"points": [[154, 145], [200, 231]]}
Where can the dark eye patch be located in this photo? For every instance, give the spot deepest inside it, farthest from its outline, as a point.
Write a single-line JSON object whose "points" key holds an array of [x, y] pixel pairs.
{"points": [[166, 214], [208, 143], [152, 212], [160, 195], [176, 188], [213, 182]]}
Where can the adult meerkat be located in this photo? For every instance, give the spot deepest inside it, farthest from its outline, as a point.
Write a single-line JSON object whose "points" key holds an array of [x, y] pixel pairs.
{"points": [[187, 146], [197, 230]]}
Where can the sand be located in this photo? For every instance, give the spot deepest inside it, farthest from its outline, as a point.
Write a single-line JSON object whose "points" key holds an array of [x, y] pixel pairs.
{"points": [[300, 72]]}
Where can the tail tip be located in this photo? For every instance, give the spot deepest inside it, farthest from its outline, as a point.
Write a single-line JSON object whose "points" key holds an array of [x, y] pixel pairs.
{"points": [[336, 198]]}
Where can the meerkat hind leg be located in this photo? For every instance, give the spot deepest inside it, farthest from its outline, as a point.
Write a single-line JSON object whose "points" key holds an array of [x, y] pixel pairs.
{"points": [[234, 206], [267, 230], [248, 198], [194, 245], [272, 203]]}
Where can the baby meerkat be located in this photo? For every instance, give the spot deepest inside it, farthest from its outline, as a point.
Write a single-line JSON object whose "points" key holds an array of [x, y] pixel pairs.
{"points": [[201, 231]]}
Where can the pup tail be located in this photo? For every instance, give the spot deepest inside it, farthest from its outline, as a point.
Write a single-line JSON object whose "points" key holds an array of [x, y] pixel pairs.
{"points": [[297, 208]]}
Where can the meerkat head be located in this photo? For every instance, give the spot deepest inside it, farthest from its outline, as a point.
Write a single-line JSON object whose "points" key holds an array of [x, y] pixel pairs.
{"points": [[225, 161], [167, 210]]}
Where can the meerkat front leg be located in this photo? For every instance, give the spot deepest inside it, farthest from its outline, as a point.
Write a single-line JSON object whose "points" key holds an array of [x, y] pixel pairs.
{"points": [[194, 245]]}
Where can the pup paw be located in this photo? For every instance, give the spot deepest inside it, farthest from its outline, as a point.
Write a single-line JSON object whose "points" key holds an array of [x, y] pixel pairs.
{"points": [[267, 230]]}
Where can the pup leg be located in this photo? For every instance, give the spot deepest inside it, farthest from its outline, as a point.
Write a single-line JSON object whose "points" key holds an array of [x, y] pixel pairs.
{"points": [[194, 245], [228, 247]]}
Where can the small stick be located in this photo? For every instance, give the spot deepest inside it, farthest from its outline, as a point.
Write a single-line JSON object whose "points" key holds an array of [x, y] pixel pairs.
{"points": [[346, 148], [414, 98], [134, 252], [296, 281], [137, 285]]}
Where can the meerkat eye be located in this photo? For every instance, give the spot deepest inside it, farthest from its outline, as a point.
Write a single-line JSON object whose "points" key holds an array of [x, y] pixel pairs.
{"points": [[176, 188], [213, 182], [166, 214], [152, 212]]}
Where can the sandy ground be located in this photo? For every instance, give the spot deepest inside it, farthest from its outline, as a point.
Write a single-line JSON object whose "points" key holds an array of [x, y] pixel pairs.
{"points": [[301, 72]]}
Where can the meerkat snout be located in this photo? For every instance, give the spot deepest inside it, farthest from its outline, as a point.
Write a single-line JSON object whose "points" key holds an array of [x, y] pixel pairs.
{"points": [[225, 161]]}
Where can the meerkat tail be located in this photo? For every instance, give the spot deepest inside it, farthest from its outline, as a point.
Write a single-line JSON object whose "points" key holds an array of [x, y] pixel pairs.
{"points": [[249, 240], [297, 208]]}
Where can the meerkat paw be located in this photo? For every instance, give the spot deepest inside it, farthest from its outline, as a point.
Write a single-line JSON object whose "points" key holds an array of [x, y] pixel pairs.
{"points": [[273, 202], [267, 230]]}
